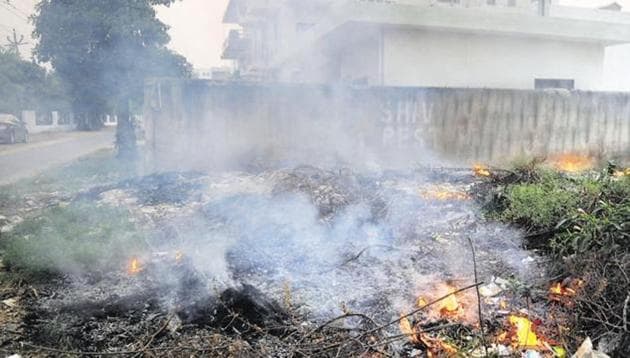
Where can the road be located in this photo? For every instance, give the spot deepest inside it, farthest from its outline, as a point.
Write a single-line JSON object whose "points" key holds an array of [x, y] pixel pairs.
{"points": [[45, 151]]}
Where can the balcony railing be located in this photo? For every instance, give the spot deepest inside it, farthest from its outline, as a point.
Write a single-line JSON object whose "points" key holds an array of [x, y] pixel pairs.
{"points": [[504, 5], [538, 7]]}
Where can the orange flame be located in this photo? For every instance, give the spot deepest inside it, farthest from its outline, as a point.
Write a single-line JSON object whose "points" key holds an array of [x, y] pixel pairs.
{"points": [[435, 346], [447, 304], [134, 266], [407, 329], [572, 163], [561, 291], [621, 173], [481, 170], [450, 306], [523, 332], [421, 302]]}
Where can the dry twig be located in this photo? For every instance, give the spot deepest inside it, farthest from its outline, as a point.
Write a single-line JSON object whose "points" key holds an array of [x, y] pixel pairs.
{"points": [[483, 334], [625, 312]]}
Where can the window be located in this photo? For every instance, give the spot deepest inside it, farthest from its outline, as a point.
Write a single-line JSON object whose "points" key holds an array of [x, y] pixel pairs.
{"points": [[543, 83]]}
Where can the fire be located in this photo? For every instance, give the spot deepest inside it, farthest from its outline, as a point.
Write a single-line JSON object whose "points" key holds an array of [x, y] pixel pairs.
{"points": [[523, 332], [561, 291], [135, 266], [435, 347], [572, 163], [443, 194], [450, 306], [421, 302], [481, 170], [622, 173], [407, 329]]}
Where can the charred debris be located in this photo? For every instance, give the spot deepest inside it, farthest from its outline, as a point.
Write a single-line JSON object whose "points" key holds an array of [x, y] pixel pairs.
{"points": [[165, 302]]}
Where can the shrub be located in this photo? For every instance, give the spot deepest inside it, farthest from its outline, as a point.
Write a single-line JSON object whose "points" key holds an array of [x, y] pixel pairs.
{"points": [[586, 221], [604, 228], [538, 205]]}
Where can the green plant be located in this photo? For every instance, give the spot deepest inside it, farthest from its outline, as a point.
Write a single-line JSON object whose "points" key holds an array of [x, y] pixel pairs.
{"points": [[538, 205], [586, 224], [80, 237], [605, 228]]}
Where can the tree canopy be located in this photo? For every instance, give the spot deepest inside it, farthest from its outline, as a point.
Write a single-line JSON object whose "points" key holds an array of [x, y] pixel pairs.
{"points": [[26, 86], [104, 50]]}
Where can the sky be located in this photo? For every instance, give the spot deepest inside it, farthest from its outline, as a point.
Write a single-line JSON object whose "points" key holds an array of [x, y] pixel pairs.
{"points": [[190, 18], [14, 15]]}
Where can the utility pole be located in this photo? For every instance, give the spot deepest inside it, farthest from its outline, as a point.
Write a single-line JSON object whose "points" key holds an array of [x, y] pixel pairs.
{"points": [[15, 43]]}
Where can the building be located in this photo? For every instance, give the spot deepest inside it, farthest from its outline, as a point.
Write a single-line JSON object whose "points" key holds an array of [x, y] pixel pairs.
{"points": [[432, 43]]}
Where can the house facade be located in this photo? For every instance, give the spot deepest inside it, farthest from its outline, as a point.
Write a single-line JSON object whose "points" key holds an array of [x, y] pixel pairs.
{"points": [[516, 44]]}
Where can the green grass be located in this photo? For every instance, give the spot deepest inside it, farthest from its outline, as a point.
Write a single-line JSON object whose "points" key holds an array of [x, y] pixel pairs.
{"points": [[546, 198], [80, 237], [72, 237]]}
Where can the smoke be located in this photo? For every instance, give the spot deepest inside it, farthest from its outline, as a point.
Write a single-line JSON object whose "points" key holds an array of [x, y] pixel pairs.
{"points": [[234, 126], [372, 256]]}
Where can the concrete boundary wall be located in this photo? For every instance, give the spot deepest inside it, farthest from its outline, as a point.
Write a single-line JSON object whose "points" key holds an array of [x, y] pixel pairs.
{"points": [[201, 124], [30, 118]]}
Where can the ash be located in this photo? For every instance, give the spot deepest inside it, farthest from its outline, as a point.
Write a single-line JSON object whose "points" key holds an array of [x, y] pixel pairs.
{"points": [[320, 242], [334, 240]]}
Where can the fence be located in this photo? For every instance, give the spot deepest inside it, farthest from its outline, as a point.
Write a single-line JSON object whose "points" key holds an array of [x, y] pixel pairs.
{"points": [[202, 124]]}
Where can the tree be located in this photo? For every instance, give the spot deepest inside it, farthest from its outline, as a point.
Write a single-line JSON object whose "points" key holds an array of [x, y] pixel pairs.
{"points": [[104, 50], [25, 85]]}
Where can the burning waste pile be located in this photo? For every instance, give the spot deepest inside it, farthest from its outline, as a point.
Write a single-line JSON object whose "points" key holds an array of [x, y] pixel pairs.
{"points": [[304, 262]]}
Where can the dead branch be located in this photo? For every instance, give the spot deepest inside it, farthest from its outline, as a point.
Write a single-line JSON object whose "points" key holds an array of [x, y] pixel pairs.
{"points": [[376, 329], [37, 348], [331, 321], [477, 284], [154, 335], [625, 312], [474, 258], [78, 353], [396, 337]]}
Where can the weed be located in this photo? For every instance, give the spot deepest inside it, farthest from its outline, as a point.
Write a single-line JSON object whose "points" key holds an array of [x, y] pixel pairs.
{"points": [[586, 221]]}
